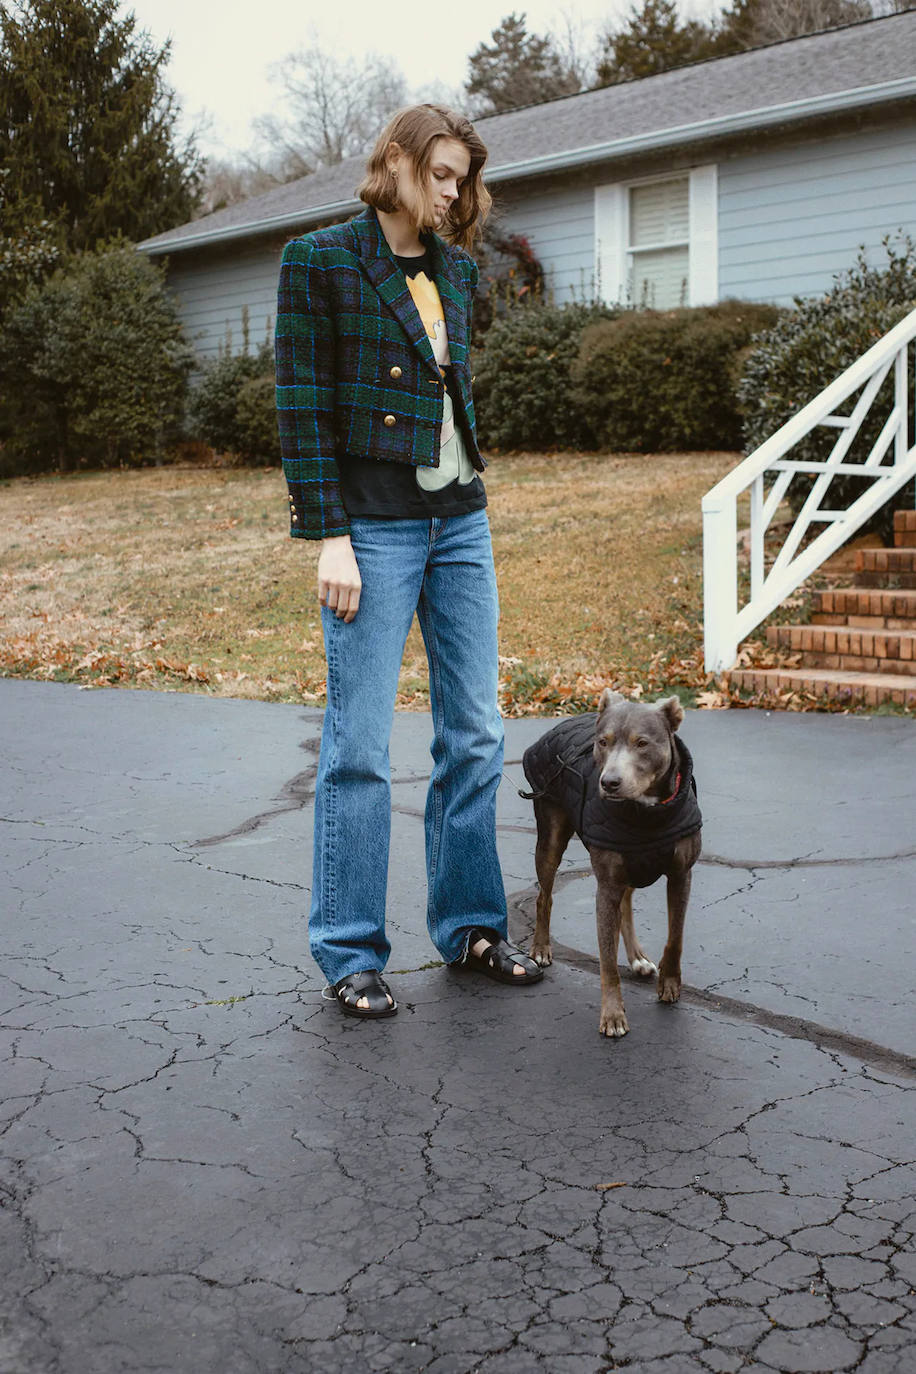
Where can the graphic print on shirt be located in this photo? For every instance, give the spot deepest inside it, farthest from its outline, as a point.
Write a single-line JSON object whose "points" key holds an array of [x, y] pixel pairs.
{"points": [[453, 459]]}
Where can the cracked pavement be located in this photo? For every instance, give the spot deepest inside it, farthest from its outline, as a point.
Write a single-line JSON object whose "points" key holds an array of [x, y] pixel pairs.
{"points": [[203, 1166]]}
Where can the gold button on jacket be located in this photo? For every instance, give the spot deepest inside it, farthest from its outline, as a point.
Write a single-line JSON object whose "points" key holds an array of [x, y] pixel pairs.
{"points": [[395, 373], [390, 420]]}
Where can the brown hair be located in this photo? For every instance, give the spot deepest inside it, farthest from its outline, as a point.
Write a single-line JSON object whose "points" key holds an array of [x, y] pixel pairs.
{"points": [[415, 130]]}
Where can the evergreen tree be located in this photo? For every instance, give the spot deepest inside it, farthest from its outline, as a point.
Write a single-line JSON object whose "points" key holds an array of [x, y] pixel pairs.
{"points": [[88, 125], [654, 40], [517, 68], [27, 255]]}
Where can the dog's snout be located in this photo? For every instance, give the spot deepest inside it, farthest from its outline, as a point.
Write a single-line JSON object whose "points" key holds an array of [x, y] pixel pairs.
{"points": [[611, 784]]}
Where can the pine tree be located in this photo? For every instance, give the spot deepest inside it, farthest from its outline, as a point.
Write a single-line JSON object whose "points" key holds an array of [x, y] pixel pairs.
{"points": [[88, 125], [654, 40], [517, 68]]}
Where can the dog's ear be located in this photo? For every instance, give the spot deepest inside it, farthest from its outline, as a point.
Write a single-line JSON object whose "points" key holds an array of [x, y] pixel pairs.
{"points": [[608, 698], [672, 710]]}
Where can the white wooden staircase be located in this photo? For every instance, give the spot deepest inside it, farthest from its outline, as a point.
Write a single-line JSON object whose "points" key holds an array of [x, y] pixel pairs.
{"points": [[861, 643]]}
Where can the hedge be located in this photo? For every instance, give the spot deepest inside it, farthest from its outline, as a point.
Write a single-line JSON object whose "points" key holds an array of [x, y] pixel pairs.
{"points": [[233, 406], [522, 390], [658, 381]]}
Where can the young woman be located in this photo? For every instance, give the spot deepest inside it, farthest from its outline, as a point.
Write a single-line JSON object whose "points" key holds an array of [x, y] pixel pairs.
{"points": [[377, 433]]}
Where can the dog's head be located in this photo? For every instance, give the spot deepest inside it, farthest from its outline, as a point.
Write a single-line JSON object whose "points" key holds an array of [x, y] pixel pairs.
{"points": [[634, 747]]}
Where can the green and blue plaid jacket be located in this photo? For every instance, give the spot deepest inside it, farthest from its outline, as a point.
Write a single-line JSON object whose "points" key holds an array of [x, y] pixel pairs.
{"points": [[355, 368]]}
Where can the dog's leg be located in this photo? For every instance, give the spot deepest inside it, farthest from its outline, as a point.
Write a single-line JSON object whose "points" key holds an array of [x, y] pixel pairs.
{"points": [[679, 878], [554, 834], [638, 958], [611, 890]]}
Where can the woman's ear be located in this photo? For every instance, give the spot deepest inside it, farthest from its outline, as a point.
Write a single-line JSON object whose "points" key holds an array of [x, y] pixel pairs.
{"points": [[393, 154]]}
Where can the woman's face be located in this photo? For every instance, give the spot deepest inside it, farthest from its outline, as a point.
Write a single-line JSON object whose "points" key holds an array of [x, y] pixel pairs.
{"points": [[449, 165]]}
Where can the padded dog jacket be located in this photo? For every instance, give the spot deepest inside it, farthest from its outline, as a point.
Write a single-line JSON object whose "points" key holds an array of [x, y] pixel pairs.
{"points": [[561, 766]]}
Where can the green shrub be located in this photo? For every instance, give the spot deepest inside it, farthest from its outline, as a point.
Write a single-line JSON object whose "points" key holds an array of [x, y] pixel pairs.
{"points": [[93, 367], [658, 381], [522, 388], [214, 407], [256, 420], [809, 348]]}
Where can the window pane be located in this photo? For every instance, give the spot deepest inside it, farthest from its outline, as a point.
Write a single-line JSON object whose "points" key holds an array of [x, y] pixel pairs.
{"points": [[659, 280], [659, 212]]}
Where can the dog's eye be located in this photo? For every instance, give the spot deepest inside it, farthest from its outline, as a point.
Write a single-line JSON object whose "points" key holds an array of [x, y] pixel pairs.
{"points": [[642, 744]]}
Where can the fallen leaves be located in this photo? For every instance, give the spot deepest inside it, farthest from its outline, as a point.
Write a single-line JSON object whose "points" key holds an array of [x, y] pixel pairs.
{"points": [[599, 571]]}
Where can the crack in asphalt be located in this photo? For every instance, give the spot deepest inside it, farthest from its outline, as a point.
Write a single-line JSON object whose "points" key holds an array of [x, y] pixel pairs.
{"points": [[293, 796], [522, 914], [255, 1183]]}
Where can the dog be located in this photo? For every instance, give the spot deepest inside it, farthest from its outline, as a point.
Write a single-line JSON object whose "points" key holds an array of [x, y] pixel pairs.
{"points": [[622, 779]]}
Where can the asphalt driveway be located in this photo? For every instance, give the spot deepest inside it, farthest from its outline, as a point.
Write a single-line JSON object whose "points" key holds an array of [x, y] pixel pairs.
{"points": [[204, 1167]]}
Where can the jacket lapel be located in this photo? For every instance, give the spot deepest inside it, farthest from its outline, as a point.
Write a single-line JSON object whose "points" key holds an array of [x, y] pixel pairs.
{"points": [[389, 282]]}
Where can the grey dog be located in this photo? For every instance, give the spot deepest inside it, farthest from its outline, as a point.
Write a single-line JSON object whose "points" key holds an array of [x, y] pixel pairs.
{"points": [[622, 780]]}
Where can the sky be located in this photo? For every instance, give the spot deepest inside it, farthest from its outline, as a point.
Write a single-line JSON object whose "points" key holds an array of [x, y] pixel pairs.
{"points": [[222, 54]]}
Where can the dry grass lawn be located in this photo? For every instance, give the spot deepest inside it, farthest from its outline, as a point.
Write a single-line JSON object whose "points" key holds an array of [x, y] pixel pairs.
{"points": [[186, 578]]}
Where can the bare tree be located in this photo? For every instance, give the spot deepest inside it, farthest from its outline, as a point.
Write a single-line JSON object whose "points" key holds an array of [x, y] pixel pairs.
{"points": [[334, 106], [752, 23], [227, 181], [574, 39]]}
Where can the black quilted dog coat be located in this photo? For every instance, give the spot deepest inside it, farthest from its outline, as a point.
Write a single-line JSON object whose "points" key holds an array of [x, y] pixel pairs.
{"points": [[561, 766]]}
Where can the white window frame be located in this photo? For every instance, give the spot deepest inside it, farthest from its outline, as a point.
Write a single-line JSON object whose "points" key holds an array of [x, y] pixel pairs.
{"points": [[613, 259]]}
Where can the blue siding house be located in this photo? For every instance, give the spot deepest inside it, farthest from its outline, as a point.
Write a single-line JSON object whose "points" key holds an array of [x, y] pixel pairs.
{"points": [[757, 176]]}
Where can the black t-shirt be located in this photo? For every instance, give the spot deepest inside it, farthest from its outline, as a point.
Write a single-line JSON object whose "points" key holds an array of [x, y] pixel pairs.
{"points": [[370, 486]]}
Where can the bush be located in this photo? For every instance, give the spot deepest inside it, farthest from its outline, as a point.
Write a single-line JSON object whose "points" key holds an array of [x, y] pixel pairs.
{"points": [[809, 348], [233, 407], [658, 381], [522, 387], [93, 365], [256, 418]]}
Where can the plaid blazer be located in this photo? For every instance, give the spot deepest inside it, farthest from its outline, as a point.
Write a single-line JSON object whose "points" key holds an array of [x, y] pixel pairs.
{"points": [[355, 367]]}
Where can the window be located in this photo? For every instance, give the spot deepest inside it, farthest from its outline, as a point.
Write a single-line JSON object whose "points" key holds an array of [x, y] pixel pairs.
{"points": [[658, 250], [656, 242]]}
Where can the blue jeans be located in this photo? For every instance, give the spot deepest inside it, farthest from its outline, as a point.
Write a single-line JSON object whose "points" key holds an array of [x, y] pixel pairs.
{"points": [[443, 570]]}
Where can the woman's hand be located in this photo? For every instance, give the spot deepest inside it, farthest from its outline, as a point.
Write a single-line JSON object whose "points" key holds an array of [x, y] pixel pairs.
{"points": [[339, 582]]}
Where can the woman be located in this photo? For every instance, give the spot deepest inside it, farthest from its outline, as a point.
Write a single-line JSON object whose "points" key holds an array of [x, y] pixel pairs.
{"points": [[377, 433]]}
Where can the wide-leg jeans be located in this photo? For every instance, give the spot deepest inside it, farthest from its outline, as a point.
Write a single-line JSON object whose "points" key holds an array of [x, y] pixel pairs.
{"points": [[442, 569]]}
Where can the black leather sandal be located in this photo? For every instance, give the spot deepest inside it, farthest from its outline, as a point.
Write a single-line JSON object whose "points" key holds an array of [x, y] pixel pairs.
{"points": [[498, 960], [371, 985]]}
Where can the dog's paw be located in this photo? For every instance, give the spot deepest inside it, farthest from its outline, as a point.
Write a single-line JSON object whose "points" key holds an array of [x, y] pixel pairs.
{"points": [[644, 967], [542, 955], [669, 989], [613, 1023]]}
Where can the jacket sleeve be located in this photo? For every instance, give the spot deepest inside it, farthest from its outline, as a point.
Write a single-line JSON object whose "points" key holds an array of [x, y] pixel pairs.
{"points": [[305, 355], [473, 279]]}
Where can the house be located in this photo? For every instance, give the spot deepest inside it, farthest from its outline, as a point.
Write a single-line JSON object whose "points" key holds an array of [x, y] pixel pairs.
{"points": [[755, 176]]}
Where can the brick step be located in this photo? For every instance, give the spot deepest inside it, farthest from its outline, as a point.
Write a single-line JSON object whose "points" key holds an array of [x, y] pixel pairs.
{"points": [[905, 529], [869, 688], [844, 649], [889, 580], [890, 568], [865, 608]]}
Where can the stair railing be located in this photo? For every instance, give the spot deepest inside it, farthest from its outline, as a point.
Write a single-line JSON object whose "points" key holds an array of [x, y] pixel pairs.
{"points": [[766, 474]]}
